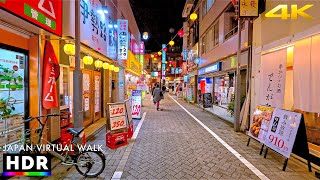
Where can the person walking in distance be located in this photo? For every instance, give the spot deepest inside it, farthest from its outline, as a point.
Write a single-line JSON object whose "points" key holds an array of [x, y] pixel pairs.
{"points": [[157, 96], [152, 90], [163, 90]]}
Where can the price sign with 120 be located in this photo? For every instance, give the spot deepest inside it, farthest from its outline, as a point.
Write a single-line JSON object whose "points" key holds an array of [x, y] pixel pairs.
{"points": [[116, 110]]}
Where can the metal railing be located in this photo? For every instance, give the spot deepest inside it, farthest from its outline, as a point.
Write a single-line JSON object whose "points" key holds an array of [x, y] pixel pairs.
{"points": [[233, 31]]}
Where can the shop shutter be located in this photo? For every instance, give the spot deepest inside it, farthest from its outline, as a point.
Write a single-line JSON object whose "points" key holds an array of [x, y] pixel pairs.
{"points": [[15, 29]]}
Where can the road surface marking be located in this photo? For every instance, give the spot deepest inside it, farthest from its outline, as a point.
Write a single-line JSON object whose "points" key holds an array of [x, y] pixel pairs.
{"points": [[135, 134], [123, 161], [117, 175], [234, 152]]}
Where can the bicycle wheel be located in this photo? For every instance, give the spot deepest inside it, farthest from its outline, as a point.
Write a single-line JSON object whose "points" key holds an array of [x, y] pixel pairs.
{"points": [[90, 163]]}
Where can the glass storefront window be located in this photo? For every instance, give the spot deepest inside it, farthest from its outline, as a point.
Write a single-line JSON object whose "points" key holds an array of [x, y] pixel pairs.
{"points": [[223, 90], [12, 96]]}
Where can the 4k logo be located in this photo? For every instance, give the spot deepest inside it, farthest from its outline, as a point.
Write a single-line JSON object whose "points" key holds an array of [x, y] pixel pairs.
{"points": [[294, 12]]}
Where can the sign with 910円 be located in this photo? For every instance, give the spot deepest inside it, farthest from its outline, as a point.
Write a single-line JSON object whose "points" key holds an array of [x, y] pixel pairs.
{"points": [[283, 131]]}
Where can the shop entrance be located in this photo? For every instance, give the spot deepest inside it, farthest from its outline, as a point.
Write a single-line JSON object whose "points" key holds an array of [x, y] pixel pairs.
{"points": [[97, 95], [87, 97]]}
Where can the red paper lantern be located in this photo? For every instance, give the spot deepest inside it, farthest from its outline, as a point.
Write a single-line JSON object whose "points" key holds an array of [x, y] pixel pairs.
{"points": [[156, 55], [165, 49], [180, 33]]}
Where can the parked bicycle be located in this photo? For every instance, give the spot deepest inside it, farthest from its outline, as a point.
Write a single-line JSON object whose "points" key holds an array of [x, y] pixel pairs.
{"points": [[88, 163]]}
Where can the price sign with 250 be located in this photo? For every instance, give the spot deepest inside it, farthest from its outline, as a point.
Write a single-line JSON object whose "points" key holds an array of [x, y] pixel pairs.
{"points": [[118, 122], [116, 110]]}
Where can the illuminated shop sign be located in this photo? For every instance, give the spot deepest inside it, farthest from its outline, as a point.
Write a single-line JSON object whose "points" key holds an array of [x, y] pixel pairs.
{"points": [[93, 26], [154, 74], [185, 78], [212, 68], [163, 53], [45, 14], [122, 39]]}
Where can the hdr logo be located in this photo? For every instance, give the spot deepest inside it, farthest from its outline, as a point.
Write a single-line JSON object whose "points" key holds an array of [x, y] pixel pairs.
{"points": [[26, 165]]}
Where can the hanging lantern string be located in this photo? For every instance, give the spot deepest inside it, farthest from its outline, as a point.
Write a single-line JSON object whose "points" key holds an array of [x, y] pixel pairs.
{"points": [[177, 31], [147, 27]]}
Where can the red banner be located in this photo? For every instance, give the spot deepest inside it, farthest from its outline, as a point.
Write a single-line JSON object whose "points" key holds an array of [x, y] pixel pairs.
{"points": [[51, 72], [46, 14]]}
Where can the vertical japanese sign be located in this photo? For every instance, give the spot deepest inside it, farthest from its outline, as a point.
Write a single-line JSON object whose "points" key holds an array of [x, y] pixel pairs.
{"points": [[273, 78], [51, 72], [164, 58], [185, 54], [122, 39], [163, 53], [93, 24], [136, 104], [283, 131], [112, 48], [141, 47], [44, 13], [141, 57], [249, 8], [260, 123]]}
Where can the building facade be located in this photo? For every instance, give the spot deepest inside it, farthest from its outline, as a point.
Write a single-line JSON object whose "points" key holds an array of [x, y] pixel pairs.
{"points": [[212, 54], [289, 56]]}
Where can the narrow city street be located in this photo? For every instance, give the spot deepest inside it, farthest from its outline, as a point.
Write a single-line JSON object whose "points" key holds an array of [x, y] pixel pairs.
{"points": [[216, 89], [183, 142]]}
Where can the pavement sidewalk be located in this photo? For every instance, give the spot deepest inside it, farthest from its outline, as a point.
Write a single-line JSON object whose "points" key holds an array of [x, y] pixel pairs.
{"points": [[172, 145]]}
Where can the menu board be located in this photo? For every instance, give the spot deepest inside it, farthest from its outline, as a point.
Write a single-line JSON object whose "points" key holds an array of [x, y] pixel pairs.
{"points": [[260, 123], [118, 123], [207, 100], [116, 116], [116, 110], [136, 104], [283, 130]]}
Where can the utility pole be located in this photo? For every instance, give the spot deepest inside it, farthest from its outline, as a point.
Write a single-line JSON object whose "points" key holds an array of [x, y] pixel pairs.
{"points": [[249, 68], [238, 82], [161, 74], [77, 74]]}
